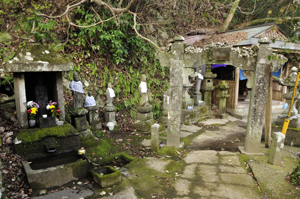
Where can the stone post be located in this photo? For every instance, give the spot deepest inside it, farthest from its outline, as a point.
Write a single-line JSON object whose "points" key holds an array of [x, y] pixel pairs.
{"points": [[268, 122], [164, 119], [176, 86], [20, 98], [257, 105], [208, 85], [276, 148], [60, 95], [155, 137], [222, 95]]}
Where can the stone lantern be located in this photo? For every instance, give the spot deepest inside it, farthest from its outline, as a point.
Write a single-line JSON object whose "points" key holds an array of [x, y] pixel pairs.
{"points": [[222, 95], [30, 64], [208, 85]]}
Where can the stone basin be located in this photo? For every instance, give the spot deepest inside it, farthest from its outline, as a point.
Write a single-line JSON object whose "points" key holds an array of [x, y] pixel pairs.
{"points": [[41, 177], [106, 176]]}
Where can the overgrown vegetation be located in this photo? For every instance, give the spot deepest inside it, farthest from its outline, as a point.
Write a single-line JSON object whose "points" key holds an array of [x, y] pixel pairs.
{"points": [[295, 176]]}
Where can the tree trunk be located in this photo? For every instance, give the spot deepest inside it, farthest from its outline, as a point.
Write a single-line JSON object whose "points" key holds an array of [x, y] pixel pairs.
{"points": [[230, 16]]}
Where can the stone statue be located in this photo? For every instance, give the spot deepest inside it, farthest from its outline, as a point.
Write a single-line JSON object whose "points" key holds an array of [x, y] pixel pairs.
{"points": [[41, 96], [110, 94], [89, 100], [77, 91], [199, 78], [143, 90]]}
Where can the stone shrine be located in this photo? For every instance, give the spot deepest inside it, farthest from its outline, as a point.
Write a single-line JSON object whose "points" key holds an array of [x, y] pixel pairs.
{"points": [[144, 110], [92, 107], [208, 85], [30, 62], [110, 115], [78, 113], [223, 88]]}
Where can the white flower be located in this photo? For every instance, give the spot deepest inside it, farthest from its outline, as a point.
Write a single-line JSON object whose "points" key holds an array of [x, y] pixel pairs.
{"points": [[48, 107], [30, 104]]}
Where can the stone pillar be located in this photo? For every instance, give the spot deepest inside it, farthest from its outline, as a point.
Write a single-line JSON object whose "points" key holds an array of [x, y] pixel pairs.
{"points": [[176, 85], [276, 148], [155, 137], [164, 119], [222, 95], [59, 95], [208, 85], [268, 122], [257, 105], [20, 98]]}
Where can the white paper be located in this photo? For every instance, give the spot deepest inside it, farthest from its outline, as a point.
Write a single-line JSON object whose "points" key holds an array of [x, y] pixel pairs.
{"points": [[143, 86], [167, 99], [111, 92], [200, 76]]}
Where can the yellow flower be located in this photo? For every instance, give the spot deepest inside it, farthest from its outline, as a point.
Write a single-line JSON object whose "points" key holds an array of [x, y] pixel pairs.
{"points": [[51, 111], [33, 109], [52, 106]]}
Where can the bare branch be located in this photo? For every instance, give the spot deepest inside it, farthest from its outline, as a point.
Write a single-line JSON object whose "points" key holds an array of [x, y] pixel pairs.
{"points": [[95, 23], [98, 16], [115, 10], [120, 3], [248, 13], [66, 11], [138, 34]]}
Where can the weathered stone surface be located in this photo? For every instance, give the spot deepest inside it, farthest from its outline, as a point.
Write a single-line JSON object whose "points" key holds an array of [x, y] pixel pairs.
{"points": [[209, 157], [276, 147], [292, 137], [93, 117], [182, 187], [190, 128], [34, 58], [20, 96], [144, 116], [208, 173], [79, 112], [230, 160], [202, 191], [143, 126], [158, 164], [189, 171], [47, 122], [235, 192], [111, 176], [238, 179], [220, 54], [155, 137], [230, 169], [189, 115], [80, 123], [68, 193]]}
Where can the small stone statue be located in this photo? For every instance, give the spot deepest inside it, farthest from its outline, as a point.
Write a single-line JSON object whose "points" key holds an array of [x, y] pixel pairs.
{"points": [[143, 90], [199, 78], [110, 94], [41, 96], [89, 100], [77, 91]]}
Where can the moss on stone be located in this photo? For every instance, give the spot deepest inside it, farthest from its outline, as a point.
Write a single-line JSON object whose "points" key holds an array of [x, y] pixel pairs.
{"points": [[37, 134], [170, 151], [88, 143], [108, 179]]}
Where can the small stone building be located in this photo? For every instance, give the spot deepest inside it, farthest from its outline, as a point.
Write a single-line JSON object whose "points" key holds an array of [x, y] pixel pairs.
{"points": [[31, 63]]}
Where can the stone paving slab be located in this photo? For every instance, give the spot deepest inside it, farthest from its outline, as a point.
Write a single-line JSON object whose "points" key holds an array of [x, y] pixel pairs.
{"points": [[209, 157], [190, 128], [215, 121], [230, 160], [157, 164], [128, 193], [231, 169], [182, 187], [189, 171], [237, 178], [67, 194], [235, 192], [185, 134]]}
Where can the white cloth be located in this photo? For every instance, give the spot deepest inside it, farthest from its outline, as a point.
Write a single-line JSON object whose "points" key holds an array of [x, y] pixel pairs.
{"points": [[76, 86], [200, 76], [143, 87], [111, 92], [89, 101]]}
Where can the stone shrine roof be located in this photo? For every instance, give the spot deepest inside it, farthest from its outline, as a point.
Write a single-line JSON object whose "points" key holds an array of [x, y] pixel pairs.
{"points": [[37, 58]]}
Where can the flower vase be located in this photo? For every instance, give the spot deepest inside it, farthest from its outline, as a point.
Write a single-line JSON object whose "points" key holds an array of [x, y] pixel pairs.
{"points": [[32, 123]]}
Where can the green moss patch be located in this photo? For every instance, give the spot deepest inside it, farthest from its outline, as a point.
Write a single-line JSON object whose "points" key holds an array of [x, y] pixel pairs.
{"points": [[37, 134], [112, 177]]}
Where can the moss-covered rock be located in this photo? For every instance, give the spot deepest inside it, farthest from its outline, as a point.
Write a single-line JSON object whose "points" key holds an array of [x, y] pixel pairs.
{"points": [[106, 176]]}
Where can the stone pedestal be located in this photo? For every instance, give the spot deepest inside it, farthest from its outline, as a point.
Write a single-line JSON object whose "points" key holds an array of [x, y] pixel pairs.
{"points": [[144, 118], [93, 117], [294, 121], [198, 99], [276, 148], [164, 119], [186, 98], [47, 122], [110, 115], [78, 117]]}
